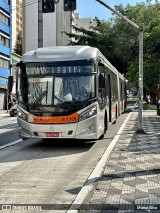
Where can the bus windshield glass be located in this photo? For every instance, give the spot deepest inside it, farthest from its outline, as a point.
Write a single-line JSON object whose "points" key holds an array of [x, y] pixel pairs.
{"points": [[56, 87]]}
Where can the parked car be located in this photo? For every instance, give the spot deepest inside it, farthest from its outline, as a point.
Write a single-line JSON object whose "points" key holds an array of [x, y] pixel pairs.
{"points": [[13, 110]]}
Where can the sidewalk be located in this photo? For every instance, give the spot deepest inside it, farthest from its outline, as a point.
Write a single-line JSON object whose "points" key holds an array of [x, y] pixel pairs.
{"points": [[4, 113], [130, 181]]}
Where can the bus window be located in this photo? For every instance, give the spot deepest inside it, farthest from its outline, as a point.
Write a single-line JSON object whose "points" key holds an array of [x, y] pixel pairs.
{"points": [[36, 86], [73, 86], [101, 77], [58, 89], [101, 80], [102, 83]]}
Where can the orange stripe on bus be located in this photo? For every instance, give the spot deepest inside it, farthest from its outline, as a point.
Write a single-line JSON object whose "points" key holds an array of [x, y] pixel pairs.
{"points": [[73, 118]]}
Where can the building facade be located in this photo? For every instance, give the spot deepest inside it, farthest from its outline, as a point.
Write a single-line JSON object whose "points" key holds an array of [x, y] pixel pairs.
{"points": [[5, 49], [45, 29], [86, 23], [17, 21], [15, 59]]}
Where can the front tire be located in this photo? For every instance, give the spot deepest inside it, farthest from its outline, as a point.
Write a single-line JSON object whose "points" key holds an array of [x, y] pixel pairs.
{"points": [[101, 137], [105, 127]]}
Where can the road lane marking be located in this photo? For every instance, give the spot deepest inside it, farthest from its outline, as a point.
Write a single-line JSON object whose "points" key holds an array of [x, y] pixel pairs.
{"points": [[8, 129], [10, 144], [96, 173]]}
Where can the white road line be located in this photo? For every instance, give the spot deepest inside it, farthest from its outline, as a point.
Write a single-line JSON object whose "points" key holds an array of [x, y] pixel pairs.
{"points": [[88, 186], [10, 144], [8, 129]]}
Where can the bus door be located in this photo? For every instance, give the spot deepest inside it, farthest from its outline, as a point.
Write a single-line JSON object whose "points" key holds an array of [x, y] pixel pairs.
{"points": [[110, 97], [125, 95], [101, 98]]}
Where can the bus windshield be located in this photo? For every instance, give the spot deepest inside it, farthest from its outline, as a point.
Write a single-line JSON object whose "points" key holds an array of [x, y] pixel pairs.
{"points": [[55, 89]]}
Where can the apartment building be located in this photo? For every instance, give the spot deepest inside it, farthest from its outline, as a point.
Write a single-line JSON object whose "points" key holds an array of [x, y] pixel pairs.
{"points": [[15, 59], [5, 49], [85, 23], [17, 8], [45, 29]]}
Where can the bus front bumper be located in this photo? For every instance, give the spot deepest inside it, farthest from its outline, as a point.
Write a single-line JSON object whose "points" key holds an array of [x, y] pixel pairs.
{"points": [[86, 129]]}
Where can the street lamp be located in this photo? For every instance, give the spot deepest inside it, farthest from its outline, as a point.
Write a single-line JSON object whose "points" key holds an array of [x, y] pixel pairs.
{"points": [[140, 29]]}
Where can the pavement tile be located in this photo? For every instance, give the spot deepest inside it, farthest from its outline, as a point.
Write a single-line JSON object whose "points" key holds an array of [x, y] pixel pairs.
{"points": [[131, 183], [131, 176]]}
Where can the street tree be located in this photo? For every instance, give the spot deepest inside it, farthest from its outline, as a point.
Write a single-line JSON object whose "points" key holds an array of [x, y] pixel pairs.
{"points": [[149, 15], [18, 45], [99, 36], [119, 42]]}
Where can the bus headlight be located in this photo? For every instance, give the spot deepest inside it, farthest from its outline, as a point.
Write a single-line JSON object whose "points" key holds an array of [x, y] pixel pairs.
{"points": [[88, 113], [21, 115]]}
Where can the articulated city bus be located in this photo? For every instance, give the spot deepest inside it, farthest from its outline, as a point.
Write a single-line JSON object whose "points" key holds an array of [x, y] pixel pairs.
{"points": [[68, 92]]}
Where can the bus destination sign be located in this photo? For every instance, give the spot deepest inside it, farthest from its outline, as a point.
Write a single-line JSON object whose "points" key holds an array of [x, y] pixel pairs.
{"points": [[43, 70]]}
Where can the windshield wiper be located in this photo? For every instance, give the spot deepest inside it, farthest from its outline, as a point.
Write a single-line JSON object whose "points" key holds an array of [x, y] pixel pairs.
{"points": [[42, 95], [46, 91], [58, 98]]}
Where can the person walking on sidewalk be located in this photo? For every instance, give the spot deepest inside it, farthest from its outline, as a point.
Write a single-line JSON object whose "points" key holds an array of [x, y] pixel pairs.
{"points": [[148, 100]]}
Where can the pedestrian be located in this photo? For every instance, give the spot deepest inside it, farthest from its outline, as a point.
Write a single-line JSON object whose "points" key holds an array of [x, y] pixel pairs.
{"points": [[148, 100]]}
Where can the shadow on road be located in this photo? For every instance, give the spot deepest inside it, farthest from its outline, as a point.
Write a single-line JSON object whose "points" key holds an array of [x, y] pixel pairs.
{"points": [[39, 149], [133, 157]]}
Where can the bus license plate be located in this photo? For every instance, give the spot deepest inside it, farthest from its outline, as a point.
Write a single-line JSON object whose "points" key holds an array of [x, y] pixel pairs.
{"points": [[52, 134]]}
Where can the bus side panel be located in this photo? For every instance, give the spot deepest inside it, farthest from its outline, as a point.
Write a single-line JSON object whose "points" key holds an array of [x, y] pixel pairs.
{"points": [[114, 97], [122, 93]]}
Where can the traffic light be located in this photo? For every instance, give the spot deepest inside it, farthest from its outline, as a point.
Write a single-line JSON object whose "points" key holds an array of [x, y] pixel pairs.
{"points": [[69, 5], [48, 6]]}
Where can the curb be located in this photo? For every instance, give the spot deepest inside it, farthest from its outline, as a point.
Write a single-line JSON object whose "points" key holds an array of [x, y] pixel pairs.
{"points": [[3, 114], [97, 171]]}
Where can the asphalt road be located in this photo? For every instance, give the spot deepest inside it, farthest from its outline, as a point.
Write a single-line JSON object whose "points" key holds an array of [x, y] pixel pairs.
{"points": [[47, 172], [8, 129]]}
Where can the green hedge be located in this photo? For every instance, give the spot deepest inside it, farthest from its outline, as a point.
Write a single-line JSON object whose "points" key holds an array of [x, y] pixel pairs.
{"points": [[151, 107]]}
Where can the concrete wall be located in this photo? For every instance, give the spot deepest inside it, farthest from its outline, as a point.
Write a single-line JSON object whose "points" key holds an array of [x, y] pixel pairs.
{"points": [[63, 24], [30, 29], [49, 31]]}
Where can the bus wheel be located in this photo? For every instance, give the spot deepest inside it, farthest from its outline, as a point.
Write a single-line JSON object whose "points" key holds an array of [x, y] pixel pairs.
{"points": [[105, 128], [105, 124], [114, 122], [101, 137]]}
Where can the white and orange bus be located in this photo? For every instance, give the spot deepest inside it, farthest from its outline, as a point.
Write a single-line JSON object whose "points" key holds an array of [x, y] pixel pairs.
{"points": [[68, 92]]}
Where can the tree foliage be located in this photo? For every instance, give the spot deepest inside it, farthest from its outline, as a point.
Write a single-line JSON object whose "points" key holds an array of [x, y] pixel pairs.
{"points": [[119, 41], [18, 44]]}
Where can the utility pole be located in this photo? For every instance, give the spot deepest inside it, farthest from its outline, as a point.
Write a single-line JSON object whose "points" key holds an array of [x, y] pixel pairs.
{"points": [[140, 29]]}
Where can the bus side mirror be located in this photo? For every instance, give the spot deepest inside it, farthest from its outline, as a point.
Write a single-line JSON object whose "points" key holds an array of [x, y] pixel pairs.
{"points": [[101, 80]]}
